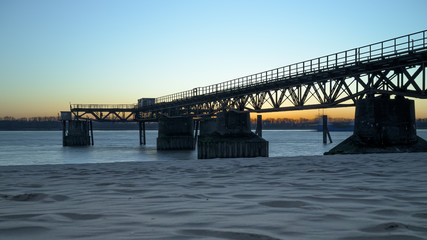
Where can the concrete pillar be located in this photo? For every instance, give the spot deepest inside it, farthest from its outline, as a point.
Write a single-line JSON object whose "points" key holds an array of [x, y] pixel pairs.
{"points": [[229, 135], [383, 121], [383, 125], [175, 133], [76, 133]]}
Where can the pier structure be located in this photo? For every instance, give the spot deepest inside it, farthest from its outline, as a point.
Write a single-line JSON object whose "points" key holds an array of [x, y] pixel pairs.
{"points": [[176, 133], [76, 132], [229, 135], [395, 67], [383, 125]]}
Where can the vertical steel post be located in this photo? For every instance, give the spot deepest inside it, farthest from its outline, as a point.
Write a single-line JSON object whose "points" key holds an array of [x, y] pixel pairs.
{"points": [[357, 85], [398, 79], [345, 61], [64, 125], [359, 55], [424, 76], [140, 132], [382, 49], [196, 134], [395, 51], [258, 130], [143, 132], [409, 43], [326, 130], [91, 131], [424, 39], [327, 62], [355, 55], [325, 126], [370, 52], [336, 60], [303, 67]]}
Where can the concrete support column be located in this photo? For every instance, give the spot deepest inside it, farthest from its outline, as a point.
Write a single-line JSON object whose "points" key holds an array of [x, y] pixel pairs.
{"points": [[76, 133], [229, 135], [383, 121], [175, 133], [383, 125]]}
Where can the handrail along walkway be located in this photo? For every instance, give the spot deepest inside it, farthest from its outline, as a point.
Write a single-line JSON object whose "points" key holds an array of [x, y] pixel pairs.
{"points": [[374, 52]]}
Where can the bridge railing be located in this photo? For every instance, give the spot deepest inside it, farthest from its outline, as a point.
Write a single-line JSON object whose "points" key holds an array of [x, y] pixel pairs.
{"points": [[382, 50], [103, 106]]}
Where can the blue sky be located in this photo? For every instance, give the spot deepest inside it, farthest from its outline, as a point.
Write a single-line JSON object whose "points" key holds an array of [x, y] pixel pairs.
{"points": [[96, 51]]}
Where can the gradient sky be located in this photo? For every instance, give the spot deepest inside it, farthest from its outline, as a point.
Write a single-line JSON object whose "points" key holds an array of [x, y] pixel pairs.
{"points": [[53, 53]]}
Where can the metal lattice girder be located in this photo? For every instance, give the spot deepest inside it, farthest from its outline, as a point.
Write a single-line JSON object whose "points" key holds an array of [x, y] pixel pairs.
{"points": [[396, 67], [104, 113], [335, 92]]}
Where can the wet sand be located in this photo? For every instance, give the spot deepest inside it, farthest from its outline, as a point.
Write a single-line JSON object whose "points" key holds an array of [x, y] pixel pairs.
{"points": [[373, 196]]}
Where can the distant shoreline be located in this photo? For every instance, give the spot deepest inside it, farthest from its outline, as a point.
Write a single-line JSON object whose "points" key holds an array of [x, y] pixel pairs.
{"points": [[20, 125]]}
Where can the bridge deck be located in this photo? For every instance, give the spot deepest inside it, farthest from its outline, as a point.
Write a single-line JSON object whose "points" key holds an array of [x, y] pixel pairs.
{"points": [[384, 63], [377, 52], [102, 107]]}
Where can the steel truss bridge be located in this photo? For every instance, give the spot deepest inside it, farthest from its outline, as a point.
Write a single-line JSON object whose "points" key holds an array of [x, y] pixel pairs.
{"points": [[394, 67]]}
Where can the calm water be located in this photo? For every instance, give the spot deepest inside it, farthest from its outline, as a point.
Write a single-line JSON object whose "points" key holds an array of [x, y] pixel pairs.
{"points": [[45, 147]]}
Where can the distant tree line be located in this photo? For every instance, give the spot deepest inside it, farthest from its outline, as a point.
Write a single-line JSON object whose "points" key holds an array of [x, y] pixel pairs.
{"points": [[30, 119], [30, 124], [302, 123], [286, 123], [421, 123]]}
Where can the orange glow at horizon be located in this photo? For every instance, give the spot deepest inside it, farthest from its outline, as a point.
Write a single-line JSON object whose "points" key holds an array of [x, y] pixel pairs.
{"points": [[347, 113]]}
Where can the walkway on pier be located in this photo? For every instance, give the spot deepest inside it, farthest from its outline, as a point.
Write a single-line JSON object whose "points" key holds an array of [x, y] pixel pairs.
{"points": [[396, 66]]}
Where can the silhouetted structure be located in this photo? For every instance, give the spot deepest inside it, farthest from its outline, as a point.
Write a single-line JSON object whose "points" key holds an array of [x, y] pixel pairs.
{"points": [[229, 135], [391, 67], [383, 125], [76, 132]]}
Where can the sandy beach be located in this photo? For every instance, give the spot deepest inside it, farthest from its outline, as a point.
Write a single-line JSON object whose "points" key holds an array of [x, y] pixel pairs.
{"points": [[375, 196]]}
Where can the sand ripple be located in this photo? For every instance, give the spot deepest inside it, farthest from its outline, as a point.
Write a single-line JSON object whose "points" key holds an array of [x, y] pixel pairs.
{"points": [[226, 235], [24, 231], [25, 197], [284, 204], [77, 216]]}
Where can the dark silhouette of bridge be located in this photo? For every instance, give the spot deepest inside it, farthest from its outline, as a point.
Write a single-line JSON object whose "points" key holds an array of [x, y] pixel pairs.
{"points": [[393, 67]]}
